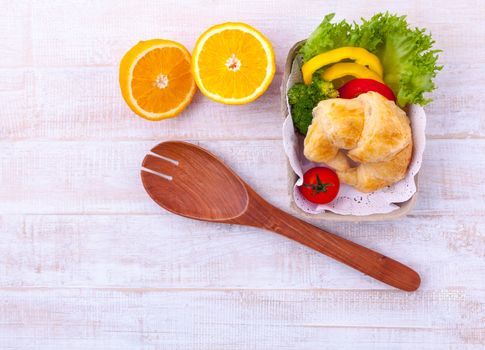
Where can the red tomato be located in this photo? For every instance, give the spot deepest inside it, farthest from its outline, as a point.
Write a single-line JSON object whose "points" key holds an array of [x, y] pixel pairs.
{"points": [[355, 87], [320, 185]]}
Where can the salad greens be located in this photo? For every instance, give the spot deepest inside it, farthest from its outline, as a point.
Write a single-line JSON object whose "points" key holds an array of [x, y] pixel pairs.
{"points": [[406, 54], [327, 36], [303, 98]]}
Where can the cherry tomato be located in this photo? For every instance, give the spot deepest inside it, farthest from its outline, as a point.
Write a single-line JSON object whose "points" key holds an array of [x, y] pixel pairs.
{"points": [[355, 87], [320, 185]]}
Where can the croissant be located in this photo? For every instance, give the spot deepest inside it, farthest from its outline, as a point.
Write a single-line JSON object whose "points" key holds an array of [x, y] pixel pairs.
{"points": [[368, 177], [367, 140]]}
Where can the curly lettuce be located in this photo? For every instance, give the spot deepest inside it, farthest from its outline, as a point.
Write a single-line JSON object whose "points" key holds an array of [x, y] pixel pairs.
{"points": [[327, 36], [410, 63]]}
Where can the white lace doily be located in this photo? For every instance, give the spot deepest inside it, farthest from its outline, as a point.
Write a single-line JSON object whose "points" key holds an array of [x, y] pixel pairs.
{"points": [[350, 201]]}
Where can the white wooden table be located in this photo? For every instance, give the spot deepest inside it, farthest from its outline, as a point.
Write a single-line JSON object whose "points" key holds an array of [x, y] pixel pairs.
{"points": [[88, 261]]}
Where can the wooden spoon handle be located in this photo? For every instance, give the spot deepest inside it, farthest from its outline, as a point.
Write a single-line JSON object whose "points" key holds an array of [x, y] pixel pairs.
{"points": [[360, 258]]}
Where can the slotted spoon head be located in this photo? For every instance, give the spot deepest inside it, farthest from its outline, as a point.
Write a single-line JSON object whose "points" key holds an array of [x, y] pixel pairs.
{"points": [[187, 180]]}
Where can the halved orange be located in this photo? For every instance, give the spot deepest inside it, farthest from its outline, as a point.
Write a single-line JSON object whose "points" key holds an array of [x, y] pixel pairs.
{"points": [[156, 79], [233, 63]]}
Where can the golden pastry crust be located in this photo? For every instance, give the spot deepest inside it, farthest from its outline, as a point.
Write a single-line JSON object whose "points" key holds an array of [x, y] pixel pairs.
{"points": [[342, 121], [317, 146], [374, 130], [386, 130], [339, 125], [369, 177]]}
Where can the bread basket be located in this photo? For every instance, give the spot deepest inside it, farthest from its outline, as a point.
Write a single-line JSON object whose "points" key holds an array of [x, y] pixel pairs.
{"points": [[403, 207]]}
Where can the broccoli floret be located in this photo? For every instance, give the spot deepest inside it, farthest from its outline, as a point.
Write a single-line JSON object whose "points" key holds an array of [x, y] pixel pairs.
{"points": [[296, 93], [325, 88], [303, 98], [301, 101]]}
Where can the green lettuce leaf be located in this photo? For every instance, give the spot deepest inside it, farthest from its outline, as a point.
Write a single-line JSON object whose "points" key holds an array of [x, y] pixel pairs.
{"points": [[326, 37], [409, 62]]}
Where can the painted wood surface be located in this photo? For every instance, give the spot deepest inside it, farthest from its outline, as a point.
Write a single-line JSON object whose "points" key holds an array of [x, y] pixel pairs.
{"points": [[88, 261]]}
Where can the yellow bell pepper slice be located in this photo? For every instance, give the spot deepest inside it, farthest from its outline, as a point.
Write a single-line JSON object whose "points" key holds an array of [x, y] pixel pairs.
{"points": [[339, 70], [357, 54]]}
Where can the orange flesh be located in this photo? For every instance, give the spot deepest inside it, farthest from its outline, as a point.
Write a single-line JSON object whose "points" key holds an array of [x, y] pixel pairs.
{"points": [[150, 69], [232, 64]]}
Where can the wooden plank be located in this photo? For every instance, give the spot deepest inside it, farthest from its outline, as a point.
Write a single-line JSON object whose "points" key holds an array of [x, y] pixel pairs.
{"points": [[17, 104], [240, 319], [16, 33], [103, 177], [167, 251], [85, 103], [129, 22], [454, 112]]}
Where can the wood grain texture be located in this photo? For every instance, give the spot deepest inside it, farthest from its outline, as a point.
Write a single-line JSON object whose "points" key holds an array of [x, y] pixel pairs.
{"points": [[236, 319], [87, 261], [84, 103], [165, 251], [81, 177]]}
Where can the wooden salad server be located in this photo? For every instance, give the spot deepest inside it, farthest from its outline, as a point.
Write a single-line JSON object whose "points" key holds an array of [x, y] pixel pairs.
{"points": [[189, 181]]}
